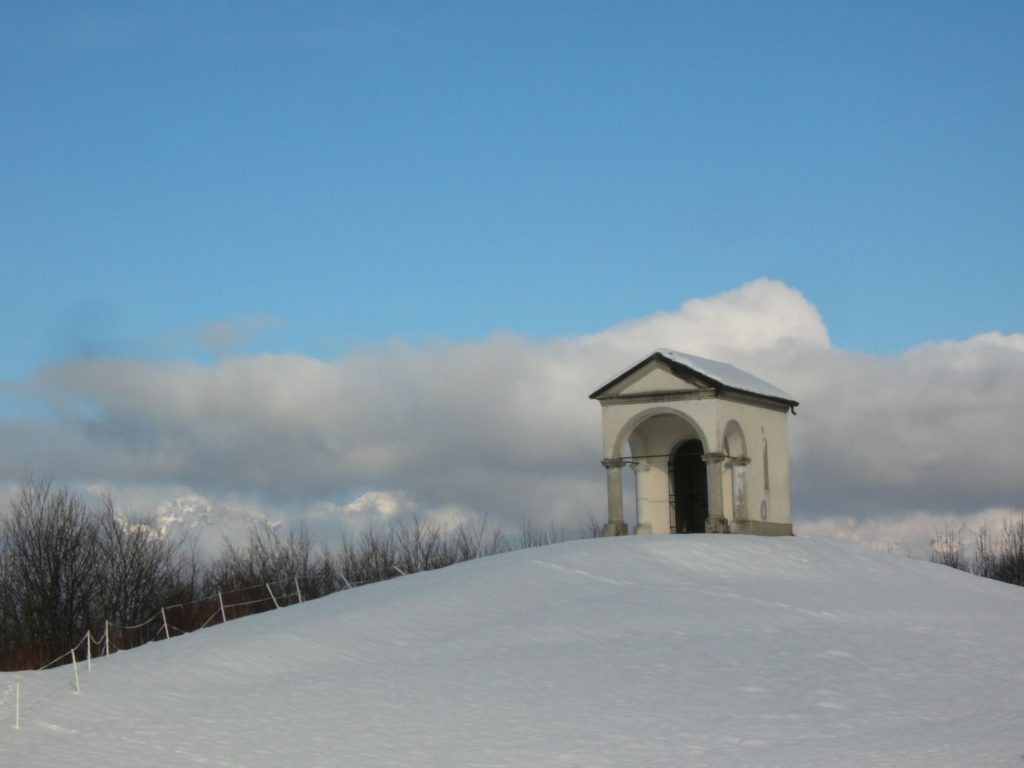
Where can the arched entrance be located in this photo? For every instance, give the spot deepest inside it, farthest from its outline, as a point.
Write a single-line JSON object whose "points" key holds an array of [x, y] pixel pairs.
{"points": [[689, 501]]}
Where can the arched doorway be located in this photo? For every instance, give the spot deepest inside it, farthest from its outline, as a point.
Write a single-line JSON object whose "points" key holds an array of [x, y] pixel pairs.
{"points": [[689, 486]]}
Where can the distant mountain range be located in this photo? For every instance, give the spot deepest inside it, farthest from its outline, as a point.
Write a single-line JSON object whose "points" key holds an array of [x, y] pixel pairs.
{"points": [[210, 525]]}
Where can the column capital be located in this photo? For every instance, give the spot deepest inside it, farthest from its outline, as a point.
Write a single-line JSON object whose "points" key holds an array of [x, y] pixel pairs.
{"points": [[612, 463], [713, 458]]}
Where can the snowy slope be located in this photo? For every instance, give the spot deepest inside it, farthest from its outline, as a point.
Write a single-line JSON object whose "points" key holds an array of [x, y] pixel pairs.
{"points": [[651, 651]]}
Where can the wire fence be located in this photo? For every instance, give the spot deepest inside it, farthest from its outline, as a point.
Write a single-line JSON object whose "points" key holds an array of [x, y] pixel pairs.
{"points": [[170, 621], [376, 556], [189, 616]]}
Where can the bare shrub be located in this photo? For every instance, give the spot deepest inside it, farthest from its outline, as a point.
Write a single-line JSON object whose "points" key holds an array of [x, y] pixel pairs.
{"points": [[473, 541], [592, 529], [413, 545], [284, 563], [532, 535], [948, 549], [999, 558], [986, 558], [1007, 564]]}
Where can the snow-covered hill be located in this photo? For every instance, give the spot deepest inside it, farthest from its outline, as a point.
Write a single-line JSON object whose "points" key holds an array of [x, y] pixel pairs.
{"points": [[653, 651]]}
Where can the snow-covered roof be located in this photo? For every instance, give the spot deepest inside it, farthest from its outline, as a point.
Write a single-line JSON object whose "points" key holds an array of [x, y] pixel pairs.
{"points": [[725, 374], [721, 374]]}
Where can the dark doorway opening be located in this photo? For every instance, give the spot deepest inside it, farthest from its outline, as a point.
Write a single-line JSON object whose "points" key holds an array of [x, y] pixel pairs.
{"points": [[689, 487]]}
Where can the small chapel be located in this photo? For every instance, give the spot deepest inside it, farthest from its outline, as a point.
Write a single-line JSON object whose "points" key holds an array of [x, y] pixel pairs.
{"points": [[708, 443]]}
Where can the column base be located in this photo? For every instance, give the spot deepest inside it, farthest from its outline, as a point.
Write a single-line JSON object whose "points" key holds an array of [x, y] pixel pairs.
{"points": [[615, 528], [716, 525], [760, 528], [642, 529]]}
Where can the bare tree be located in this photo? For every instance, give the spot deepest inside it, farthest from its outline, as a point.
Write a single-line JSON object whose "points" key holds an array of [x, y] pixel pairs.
{"points": [[270, 558], [138, 569], [51, 544], [66, 569]]}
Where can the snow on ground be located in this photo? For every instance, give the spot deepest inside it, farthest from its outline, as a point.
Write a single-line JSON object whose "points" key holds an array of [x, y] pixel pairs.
{"points": [[651, 651]]}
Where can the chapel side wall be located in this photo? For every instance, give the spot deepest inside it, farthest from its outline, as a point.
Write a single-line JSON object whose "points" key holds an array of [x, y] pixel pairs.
{"points": [[782, 479], [760, 425], [780, 508]]}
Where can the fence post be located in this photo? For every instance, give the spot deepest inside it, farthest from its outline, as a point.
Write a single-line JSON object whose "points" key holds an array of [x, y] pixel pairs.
{"points": [[88, 649], [74, 664], [17, 705], [223, 616], [106, 637], [342, 574], [399, 570], [167, 631], [298, 591], [272, 596]]}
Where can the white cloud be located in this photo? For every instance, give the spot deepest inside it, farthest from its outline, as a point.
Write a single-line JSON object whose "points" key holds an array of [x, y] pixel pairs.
{"points": [[503, 427], [912, 533], [223, 339]]}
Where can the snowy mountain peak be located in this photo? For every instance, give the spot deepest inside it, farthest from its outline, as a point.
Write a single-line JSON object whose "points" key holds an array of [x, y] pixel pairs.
{"points": [[211, 525]]}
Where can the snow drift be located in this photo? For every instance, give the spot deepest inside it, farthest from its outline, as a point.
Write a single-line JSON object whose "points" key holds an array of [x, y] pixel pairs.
{"points": [[653, 651]]}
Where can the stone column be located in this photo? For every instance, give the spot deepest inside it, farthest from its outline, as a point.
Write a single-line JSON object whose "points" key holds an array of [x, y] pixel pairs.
{"points": [[616, 525], [716, 517], [643, 523]]}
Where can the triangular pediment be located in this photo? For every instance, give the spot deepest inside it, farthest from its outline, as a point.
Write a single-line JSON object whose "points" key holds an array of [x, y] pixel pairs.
{"points": [[667, 373], [654, 377]]}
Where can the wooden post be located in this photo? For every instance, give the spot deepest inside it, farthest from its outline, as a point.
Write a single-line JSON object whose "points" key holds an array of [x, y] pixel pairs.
{"points": [[88, 649], [298, 591], [223, 616], [74, 664], [272, 596], [167, 630], [342, 574], [106, 637], [17, 705]]}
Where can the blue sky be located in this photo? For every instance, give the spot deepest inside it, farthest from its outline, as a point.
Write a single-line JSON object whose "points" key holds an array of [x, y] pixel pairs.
{"points": [[340, 261], [329, 175]]}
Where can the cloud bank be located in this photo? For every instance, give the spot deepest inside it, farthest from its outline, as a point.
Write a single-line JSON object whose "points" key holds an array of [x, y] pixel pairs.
{"points": [[503, 428]]}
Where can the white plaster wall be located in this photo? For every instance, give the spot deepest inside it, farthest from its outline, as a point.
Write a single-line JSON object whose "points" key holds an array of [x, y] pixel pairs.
{"points": [[654, 379], [758, 425], [653, 496], [727, 507]]}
